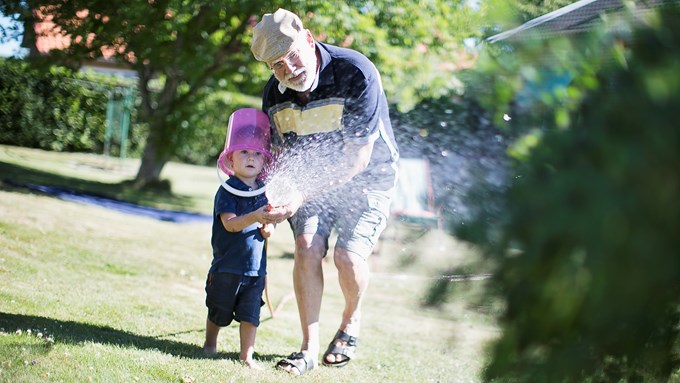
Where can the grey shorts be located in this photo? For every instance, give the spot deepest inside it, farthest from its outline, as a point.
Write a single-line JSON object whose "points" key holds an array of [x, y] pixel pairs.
{"points": [[358, 215]]}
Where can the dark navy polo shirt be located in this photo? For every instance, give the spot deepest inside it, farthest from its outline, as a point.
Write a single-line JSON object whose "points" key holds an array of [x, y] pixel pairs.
{"points": [[348, 106], [243, 252]]}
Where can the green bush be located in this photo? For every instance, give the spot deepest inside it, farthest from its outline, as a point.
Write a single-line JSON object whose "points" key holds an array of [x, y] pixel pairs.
{"points": [[592, 286], [204, 127], [56, 109]]}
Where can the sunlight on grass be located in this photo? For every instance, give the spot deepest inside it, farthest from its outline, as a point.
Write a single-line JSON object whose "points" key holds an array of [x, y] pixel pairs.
{"points": [[121, 298]]}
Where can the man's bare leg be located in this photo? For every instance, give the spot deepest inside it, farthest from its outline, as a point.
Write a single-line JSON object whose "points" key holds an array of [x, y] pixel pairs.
{"points": [[308, 285], [353, 275]]}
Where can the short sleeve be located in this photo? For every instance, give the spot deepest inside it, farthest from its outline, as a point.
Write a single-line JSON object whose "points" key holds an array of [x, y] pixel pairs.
{"points": [[225, 202], [362, 108]]}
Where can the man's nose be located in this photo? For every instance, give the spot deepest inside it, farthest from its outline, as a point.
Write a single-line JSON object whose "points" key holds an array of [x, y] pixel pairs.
{"points": [[289, 66]]}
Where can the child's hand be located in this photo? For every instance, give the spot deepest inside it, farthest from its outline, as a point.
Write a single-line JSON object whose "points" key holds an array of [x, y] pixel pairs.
{"points": [[267, 230], [278, 214], [261, 215]]}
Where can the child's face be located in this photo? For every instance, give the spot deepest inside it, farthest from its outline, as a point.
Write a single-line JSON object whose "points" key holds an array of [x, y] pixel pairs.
{"points": [[247, 163]]}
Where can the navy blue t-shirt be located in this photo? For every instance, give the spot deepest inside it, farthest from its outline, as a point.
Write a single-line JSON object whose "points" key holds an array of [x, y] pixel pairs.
{"points": [[347, 106], [243, 252]]}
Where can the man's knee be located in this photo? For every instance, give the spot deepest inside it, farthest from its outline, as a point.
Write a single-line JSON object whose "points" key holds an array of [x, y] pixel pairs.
{"points": [[346, 259], [309, 243], [309, 251]]}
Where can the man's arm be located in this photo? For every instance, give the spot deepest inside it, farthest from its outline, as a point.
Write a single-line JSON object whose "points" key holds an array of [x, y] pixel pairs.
{"points": [[357, 157]]}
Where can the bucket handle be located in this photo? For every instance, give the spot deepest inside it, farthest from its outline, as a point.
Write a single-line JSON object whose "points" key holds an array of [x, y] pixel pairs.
{"points": [[240, 193]]}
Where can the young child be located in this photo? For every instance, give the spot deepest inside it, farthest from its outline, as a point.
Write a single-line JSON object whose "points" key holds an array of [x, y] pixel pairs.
{"points": [[236, 278]]}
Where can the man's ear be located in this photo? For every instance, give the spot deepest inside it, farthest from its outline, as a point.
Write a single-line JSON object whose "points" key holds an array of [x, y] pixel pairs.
{"points": [[310, 38]]}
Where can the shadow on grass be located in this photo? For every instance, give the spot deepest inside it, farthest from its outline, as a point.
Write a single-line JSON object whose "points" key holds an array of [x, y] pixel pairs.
{"points": [[64, 331], [123, 191]]}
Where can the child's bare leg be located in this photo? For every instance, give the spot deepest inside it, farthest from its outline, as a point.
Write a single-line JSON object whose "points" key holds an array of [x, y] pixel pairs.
{"points": [[211, 332], [247, 332]]}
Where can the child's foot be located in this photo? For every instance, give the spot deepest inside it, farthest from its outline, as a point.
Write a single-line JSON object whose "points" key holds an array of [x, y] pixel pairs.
{"points": [[251, 364], [209, 351]]}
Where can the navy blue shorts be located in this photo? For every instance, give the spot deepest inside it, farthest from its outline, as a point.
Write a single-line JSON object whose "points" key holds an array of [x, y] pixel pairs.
{"points": [[233, 297]]}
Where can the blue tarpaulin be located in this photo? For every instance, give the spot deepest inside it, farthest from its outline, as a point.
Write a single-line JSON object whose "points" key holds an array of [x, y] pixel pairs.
{"points": [[114, 204]]}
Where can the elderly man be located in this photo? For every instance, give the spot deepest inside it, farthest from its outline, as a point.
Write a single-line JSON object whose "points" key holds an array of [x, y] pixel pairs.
{"points": [[330, 120]]}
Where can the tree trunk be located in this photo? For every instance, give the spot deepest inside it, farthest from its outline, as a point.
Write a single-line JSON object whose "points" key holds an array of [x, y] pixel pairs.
{"points": [[153, 161], [159, 143]]}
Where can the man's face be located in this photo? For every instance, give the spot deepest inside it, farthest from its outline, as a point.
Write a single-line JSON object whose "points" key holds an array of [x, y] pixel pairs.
{"points": [[297, 68]]}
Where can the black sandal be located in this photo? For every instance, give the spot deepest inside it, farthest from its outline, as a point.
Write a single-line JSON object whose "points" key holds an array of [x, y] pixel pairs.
{"points": [[302, 362], [348, 350]]}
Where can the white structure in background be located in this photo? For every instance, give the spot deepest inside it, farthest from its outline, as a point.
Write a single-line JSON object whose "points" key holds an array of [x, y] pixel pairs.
{"points": [[414, 198]]}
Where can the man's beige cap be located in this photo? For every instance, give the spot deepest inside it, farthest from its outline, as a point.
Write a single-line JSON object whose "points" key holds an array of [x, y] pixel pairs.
{"points": [[275, 34]]}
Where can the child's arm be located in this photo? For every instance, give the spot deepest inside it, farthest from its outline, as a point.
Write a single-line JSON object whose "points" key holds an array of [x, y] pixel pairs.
{"points": [[234, 223]]}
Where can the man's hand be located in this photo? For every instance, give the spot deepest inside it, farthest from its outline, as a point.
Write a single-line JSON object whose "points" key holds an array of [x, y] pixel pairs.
{"points": [[278, 214]]}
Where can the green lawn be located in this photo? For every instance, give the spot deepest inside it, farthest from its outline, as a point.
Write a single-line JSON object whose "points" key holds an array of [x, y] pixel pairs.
{"points": [[89, 294]]}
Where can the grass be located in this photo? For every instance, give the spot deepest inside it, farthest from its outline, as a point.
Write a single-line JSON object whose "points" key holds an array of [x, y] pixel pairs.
{"points": [[93, 295]]}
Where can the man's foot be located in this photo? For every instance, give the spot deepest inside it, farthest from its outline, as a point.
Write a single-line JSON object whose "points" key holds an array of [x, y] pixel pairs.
{"points": [[297, 363], [341, 350]]}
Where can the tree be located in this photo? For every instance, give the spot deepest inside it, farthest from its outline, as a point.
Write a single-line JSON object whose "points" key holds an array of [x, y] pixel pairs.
{"points": [[525, 10], [184, 50], [178, 49], [509, 14]]}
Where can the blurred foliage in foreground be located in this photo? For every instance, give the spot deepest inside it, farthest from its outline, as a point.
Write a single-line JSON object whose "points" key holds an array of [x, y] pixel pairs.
{"points": [[587, 250]]}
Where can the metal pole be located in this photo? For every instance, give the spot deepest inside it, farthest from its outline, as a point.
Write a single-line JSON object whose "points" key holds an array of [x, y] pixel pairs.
{"points": [[109, 123]]}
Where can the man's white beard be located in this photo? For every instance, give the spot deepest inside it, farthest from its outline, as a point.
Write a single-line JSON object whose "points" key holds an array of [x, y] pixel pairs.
{"points": [[307, 79]]}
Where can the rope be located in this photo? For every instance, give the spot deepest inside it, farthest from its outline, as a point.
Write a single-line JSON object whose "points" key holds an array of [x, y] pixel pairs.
{"points": [[450, 278]]}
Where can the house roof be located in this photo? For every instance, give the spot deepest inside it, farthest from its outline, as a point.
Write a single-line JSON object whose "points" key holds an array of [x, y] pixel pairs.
{"points": [[49, 37], [578, 17]]}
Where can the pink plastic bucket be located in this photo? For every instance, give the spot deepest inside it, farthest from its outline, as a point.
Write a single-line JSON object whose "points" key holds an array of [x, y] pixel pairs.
{"points": [[248, 129]]}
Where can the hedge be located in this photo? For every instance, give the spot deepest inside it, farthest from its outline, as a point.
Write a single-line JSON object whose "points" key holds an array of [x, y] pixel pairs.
{"points": [[56, 110]]}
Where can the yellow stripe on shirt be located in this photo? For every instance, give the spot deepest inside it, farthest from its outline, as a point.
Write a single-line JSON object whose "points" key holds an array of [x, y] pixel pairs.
{"points": [[321, 118]]}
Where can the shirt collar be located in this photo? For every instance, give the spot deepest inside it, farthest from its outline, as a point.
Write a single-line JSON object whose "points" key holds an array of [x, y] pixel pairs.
{"points": [[236, 183]]}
